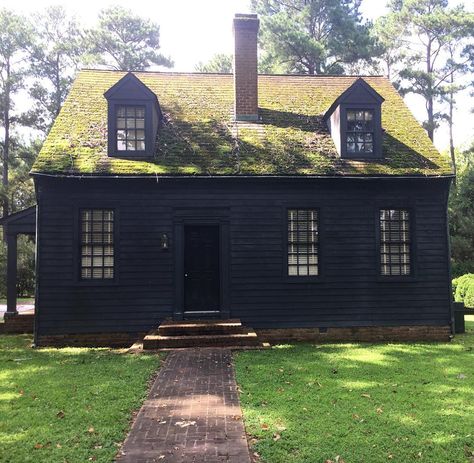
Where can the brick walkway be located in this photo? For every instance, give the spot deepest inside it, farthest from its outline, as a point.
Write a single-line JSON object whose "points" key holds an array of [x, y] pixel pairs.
{"points": [[192, 413]]}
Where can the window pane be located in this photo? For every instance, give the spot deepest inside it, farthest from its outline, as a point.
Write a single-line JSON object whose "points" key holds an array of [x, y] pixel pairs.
{"points": [[97, 252], [129, 119], [395, 242], [359, 131], [302, 242]]}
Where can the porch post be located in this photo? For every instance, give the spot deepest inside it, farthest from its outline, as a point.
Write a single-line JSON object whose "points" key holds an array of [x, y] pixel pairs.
{"points": [[11, 275]]}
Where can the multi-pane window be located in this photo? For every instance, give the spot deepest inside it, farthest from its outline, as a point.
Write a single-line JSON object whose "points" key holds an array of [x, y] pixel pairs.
{"points": [[395, 238], [360, 131], [97, 244], [130, 128], [303, 242]]}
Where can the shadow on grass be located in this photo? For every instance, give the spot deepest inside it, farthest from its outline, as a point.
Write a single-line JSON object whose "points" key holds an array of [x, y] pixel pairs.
{"points": [[370, 403], [66, 404]]}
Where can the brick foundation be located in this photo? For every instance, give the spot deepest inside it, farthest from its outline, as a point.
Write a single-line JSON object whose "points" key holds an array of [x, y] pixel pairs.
{"points": [[89, 340], [273, 336], [362, 333], [18, 324]]}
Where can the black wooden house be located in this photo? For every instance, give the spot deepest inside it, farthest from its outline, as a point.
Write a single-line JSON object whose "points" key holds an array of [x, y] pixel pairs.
{"points": [[305, 206]]}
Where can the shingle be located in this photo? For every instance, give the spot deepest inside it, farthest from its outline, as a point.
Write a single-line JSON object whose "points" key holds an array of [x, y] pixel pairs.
{"points": [[199, 137]]}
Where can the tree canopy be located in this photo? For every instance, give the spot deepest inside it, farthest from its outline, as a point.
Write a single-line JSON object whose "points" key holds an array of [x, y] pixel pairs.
{"points": [[426, 29], [220, 62], [55, 54], [125, 41], [312, 36]]}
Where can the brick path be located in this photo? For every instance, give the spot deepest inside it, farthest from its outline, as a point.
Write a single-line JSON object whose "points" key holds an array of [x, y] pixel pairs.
{"points": [[192, 413]]}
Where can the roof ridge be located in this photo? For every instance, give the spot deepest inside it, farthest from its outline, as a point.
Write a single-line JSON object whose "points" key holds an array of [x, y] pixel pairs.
{"points": [[312, 76]]}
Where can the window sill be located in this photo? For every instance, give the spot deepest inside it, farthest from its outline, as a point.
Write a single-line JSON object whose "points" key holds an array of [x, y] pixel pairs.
{"points": [[303, 279], [91, 282], [397, 279]]}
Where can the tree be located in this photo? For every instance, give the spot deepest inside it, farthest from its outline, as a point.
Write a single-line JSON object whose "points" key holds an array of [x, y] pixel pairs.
{"points": [[14, 38], [55, 55], [461, 211], [124, 41], [220, 62], [312, 36], [427, 29], [450, 89], [391, 51]]}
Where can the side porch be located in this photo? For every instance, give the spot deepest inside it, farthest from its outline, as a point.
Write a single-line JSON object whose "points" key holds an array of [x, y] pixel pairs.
{"points": [[17, 316]]}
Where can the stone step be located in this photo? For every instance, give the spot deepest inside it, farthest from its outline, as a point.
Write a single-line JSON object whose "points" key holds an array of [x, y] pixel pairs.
{"points": [[157, 341], [200, 327]]}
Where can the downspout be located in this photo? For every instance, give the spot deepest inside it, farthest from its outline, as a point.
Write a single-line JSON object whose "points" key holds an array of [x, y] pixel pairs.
{"points": [[37, 268], [448, 247]]}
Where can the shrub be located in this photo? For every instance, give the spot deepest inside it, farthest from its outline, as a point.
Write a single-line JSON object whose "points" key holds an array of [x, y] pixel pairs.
{"points": [[463, 289]]}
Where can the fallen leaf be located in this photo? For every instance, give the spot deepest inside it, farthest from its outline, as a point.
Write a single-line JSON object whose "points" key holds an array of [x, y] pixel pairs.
{"points": [[60, 414], [265, 426], [59, 446], [38, 446], [236, 417], [367, 396], [276, 437], [379, 410], [91, 430]]}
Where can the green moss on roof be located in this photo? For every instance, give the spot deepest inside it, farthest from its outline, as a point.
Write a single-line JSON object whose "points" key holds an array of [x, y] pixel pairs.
{"points": [[198, 136]]}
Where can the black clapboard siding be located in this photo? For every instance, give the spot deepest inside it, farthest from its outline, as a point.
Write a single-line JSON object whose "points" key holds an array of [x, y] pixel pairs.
{"points": [[349, 291]]}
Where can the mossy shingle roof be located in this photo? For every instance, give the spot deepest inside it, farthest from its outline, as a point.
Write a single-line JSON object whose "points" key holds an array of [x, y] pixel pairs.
{"points": [[198, 135]]}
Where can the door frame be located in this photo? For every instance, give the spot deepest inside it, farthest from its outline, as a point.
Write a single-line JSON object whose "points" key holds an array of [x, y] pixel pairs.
{"points": [[202, 217]]}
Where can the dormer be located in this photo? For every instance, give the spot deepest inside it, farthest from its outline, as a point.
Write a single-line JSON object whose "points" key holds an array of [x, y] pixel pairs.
{"points": [[133, 118], [355, 122]]}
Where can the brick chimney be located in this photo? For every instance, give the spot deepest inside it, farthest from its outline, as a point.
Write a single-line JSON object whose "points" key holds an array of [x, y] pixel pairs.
{"points": [[245, 67]]}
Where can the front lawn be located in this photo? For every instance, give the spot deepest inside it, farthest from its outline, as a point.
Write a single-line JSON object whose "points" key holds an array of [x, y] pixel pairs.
{"points": [[357, 403], [67, 405]]}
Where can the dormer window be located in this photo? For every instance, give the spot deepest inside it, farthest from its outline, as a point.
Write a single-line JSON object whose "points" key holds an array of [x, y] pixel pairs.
{"points": [[130, 128], [360, 131], [134, 116], [355, 122]]}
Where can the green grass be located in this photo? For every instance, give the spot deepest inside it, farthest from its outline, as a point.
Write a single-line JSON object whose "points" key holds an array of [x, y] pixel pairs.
{"points": [[67, 405], [366, 403]]}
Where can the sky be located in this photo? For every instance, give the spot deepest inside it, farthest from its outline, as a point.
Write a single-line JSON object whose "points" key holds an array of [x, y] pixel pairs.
{"points": [[194, 30]]}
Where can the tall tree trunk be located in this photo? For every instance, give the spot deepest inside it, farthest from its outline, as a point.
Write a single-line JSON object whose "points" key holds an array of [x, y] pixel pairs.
{"points": [[429, 93], [451, 125], [6, 145], [429, 108], [58, 86]]}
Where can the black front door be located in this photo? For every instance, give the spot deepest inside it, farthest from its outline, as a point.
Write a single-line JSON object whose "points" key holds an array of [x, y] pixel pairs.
{"points": [[201, 268]]}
